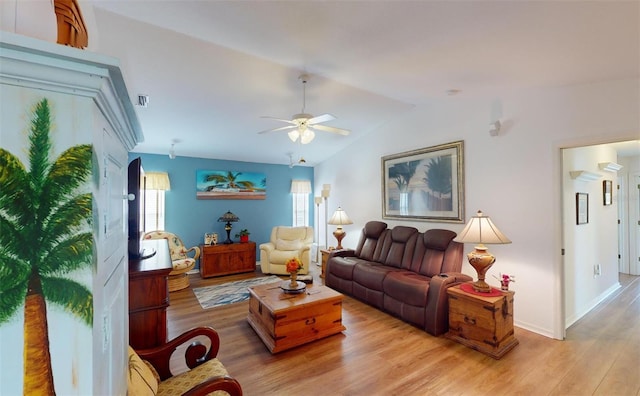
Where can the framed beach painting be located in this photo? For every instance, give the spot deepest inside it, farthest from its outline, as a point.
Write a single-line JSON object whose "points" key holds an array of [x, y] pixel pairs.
{"points": [[425, 184], [213, 184]]}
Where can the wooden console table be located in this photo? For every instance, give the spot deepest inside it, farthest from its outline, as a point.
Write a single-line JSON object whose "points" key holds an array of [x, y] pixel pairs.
{"points": [[149, 296], [482, 323], [225, 259]]}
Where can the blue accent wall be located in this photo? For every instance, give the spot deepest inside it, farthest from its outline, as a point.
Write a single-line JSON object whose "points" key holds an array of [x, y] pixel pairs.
{"points": [[191, 218]]}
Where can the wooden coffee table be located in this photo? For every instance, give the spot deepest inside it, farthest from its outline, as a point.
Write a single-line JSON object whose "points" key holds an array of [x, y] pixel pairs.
{"points": [[283, 321]]}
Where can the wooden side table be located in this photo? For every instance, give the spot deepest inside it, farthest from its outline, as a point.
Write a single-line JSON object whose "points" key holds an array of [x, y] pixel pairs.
{"points": [[325, 256], [482, 323], [225, 259]]}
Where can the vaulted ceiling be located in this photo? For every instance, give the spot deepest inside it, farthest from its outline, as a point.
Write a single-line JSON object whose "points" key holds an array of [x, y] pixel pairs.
{"points": [[212, 69]]}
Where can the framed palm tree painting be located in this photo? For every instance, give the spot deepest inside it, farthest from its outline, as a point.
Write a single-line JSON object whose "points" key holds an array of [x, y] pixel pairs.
{"points": [[212, 184], [425, 184]]}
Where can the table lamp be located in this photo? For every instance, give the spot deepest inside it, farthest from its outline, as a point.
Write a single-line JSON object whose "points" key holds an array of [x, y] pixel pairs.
{"points": [[228, 218], [339, 218], [480, 229]]}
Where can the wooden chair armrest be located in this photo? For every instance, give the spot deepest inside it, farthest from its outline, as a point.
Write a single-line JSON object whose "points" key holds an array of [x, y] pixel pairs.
{"points": [[195, 354], [196, 250], [226, 383]]}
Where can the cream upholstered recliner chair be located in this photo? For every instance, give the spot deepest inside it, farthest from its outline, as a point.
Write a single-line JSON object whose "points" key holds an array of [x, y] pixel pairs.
{"points": [[181, 262], [285, 243], [149, 370]]}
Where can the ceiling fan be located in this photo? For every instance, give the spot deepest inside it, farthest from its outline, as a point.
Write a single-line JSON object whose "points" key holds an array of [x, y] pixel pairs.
{"points": [[305, 125]]}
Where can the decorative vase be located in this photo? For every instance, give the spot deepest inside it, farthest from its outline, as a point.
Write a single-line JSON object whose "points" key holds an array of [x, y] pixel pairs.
{"points": [[294, 279], [244, 238]]}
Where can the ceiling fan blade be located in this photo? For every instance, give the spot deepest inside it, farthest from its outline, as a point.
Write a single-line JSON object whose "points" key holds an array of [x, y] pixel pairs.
{"points": [[339, 131], [279, 119], [284, 128], [321, 118]]}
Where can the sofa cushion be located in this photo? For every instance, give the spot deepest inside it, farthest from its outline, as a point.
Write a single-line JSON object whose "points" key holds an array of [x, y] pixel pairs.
{"points": [[342, 267], [429, 253], [285, 244], [179, 384], [371, 233], [371, 276], [282, 256], [398, 246], [141, 379], [291, 233], [183, 264], [408, 287]]}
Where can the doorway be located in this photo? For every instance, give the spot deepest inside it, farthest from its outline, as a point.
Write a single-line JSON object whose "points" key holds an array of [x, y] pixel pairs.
{"points": [[597, 250]]}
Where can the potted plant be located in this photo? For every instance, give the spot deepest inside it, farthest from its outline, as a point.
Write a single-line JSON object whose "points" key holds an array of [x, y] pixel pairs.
{"points": [[243, 235]]}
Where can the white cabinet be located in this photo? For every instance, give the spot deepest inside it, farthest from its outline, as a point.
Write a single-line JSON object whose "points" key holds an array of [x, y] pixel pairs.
{"points": [[89, 105]]}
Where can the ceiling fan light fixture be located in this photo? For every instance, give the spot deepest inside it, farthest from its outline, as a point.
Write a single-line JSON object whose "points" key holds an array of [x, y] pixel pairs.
{"points": [[294, 135], [307, 136]]}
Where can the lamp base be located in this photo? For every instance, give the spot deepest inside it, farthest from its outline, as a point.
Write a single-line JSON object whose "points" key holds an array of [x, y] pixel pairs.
{"points": [[339, 234], [227, 228], [481, 260]]}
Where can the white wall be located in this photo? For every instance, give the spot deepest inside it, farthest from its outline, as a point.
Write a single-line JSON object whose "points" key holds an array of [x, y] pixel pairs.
{"points": [[593, 243], [515, 178]]}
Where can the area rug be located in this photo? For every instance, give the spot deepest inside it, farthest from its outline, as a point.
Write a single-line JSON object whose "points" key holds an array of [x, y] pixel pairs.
{"points": [[229, 293]]}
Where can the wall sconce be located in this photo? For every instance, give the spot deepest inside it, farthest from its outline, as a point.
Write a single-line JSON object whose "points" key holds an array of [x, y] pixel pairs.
{"points": [[609, 166], [494, 128]]}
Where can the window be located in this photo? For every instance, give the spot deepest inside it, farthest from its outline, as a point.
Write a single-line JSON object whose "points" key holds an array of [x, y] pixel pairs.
{"points": [[300, 190], [154, 208]]}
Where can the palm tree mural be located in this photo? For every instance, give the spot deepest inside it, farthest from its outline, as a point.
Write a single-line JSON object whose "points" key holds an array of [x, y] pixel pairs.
{"points": [[438, 179], [44, 235]]}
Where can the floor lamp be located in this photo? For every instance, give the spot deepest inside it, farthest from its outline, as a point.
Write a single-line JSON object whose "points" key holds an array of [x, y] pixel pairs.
{"points": [[318, 201], [326, 189]]}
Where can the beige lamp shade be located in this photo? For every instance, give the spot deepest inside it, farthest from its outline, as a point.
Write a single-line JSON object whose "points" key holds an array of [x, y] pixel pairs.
{"points": [[480, 229], [157, 181], [340, 218]]}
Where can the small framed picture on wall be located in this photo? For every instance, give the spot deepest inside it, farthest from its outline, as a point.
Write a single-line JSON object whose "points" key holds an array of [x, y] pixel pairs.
{"points": [[607, 193], [582, 208]]}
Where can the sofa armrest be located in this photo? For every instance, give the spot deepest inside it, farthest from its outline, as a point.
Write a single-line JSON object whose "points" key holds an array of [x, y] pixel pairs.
{"points": [[437, 311], [342, 253], [268, 247], [195, 354], [226, 383]]}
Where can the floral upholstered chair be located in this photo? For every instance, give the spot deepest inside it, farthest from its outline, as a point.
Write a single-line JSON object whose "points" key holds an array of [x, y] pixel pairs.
{"points": [[149, 370], [182, 263]]}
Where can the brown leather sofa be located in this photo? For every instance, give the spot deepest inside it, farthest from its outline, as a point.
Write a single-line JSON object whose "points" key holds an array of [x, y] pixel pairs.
{"points": [[401, 271]]}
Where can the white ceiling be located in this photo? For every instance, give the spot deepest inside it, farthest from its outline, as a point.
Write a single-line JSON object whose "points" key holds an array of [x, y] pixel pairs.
{"points": [[213, 68]]}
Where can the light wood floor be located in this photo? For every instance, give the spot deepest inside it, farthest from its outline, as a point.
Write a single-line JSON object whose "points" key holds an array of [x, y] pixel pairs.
{"points": [[381, 355]]}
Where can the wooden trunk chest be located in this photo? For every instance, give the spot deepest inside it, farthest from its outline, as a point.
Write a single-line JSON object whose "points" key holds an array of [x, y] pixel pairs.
{"points": [[482, 323], [283, 321]]}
